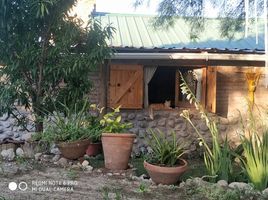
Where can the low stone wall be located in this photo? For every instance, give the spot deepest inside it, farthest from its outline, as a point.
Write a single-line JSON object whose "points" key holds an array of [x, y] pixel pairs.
{"points": [[9, 129], [170, 120], [165, 120]]}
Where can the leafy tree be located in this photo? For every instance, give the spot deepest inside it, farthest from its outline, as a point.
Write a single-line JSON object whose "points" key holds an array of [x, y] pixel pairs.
{"points": [[46, 55], [232, 13]]}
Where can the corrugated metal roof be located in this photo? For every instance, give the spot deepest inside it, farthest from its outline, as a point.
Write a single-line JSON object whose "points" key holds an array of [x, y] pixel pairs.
{"points": [[136, 31]]}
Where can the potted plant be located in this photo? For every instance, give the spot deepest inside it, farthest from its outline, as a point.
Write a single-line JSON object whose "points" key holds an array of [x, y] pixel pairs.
{"points": [[164, 163], [116, 142], [69, 130], [95, 131]]}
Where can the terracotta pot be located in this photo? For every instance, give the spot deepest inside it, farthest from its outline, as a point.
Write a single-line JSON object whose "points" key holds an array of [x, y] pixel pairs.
{"points": [[166, 175], [117, 148], [94, 149], [73, 150]]}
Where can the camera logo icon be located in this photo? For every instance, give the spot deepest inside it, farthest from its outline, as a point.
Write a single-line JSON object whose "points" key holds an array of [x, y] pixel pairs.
{"points": [[22, 186]]}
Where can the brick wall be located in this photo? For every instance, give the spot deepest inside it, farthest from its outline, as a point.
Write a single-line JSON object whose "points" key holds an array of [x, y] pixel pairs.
{"points": [[232, 91]]}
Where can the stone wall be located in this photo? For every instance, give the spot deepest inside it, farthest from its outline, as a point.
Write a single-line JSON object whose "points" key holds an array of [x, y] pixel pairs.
{"points": [[94, 94], [170, 120]]}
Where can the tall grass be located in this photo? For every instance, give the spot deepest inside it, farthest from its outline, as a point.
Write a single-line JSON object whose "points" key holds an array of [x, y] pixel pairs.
{"points": [[254, 139]]}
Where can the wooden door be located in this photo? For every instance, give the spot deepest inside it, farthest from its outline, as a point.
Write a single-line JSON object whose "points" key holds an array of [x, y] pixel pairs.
{"points": [[126, 86]]}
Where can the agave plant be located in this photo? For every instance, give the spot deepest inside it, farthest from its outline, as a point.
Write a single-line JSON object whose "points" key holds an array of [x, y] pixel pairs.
{"points": [[165, 151]]}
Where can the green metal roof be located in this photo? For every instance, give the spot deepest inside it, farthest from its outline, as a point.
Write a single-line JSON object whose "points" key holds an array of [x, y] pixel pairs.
{"points": [[136, 31]]}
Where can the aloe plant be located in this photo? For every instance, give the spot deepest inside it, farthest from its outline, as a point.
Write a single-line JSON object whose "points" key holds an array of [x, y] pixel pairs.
{"points": [[164, 151]]}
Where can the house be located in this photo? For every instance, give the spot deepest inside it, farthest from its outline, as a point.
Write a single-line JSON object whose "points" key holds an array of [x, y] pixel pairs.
{"points": [[144, 71]]}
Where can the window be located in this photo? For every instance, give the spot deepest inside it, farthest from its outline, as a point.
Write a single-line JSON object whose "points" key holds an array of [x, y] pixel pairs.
{"points": [[165, 85], [137, 86], [162, 86]]}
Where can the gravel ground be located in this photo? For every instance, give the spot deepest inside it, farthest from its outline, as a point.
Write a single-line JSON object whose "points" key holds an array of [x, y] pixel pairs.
{"points": [[46, 184]]}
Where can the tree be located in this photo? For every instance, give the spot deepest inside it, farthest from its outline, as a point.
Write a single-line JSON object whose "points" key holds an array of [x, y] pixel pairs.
{"points": [[232, 13], [46, 55]]}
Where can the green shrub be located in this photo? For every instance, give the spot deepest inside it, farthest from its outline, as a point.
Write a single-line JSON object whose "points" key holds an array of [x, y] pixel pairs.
{"points": [[71, 125]]}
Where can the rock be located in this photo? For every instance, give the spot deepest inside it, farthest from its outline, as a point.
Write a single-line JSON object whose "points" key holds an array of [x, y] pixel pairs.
{"points": [[152, 124], [140, 117], [134, 130], [9, 133], [9, 169], [8, 154], [224, 121], [63, 162], [182, 133], [203, 126], [162, 122], [222, 183], [19, 152], [179, 120], [223, 127], [142, 133], [37, 156], [85, 163], [1, 131], [55, 151], [16, 135], [124, 115], [131, 116], [109, 174], [265, 191], [56, 158], [76, 167], [46, 158], [171, 123], [181, 126], [27, 136], [142, 124], [240, 186], [4, 118]]}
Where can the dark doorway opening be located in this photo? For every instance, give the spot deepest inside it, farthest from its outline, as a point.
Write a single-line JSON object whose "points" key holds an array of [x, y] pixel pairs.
{"points": [[162, 86]]}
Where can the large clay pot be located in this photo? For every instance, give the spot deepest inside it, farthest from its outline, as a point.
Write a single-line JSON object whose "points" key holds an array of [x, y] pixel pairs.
{"points": [[117, 148], [94, 149], [73, 150], [166, 175]]}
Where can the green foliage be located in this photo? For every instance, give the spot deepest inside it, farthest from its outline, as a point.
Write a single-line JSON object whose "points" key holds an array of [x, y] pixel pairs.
{"points": [[143, 188], [72, 174], [95, 128], [164, 151], [45, 60], [72, 125], [218, 158], [254, 140], [111, 122]]}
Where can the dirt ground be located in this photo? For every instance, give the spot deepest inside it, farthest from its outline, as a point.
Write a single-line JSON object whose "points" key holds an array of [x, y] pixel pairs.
{"points": [[59, 183]]}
